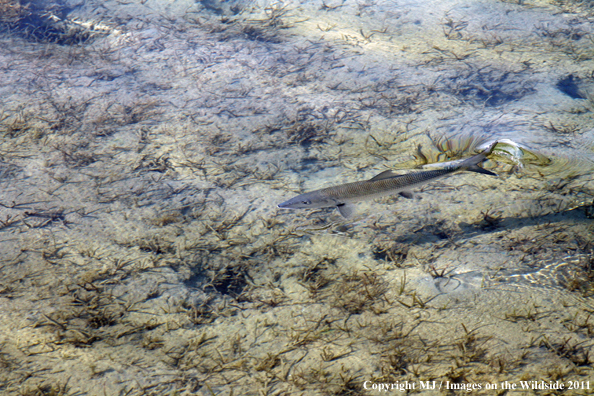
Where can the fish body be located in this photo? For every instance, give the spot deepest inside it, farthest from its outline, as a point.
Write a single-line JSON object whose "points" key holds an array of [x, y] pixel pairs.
{"points": [[386, 183]]}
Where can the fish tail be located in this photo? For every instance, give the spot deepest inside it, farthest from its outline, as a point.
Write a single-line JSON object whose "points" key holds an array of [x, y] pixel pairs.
{"points": [[478, 169], [472, 163]]}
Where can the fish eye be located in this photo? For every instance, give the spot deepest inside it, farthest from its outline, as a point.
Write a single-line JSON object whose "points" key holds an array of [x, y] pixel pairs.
{"points": [[305, 202]]}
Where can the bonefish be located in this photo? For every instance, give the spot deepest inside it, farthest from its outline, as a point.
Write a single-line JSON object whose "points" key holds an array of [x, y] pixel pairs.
{"points": [[386, 183]]}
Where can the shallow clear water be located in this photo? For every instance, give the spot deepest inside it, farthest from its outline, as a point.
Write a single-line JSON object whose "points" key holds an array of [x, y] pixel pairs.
{"points": [[144, 146]]}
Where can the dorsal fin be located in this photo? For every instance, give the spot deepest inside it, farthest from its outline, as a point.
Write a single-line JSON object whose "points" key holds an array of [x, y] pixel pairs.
{"points": [[384, 175]]}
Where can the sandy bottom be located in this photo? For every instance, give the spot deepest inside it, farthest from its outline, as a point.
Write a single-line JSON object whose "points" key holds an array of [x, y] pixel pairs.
{"points": [[144, 146]]}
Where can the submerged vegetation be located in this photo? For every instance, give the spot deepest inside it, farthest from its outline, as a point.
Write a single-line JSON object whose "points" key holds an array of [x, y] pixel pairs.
{"points": [[139, 173], [47, 22]]}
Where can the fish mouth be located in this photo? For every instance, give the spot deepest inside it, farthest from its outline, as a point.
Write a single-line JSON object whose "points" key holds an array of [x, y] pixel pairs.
{"points": [[284, 205]]}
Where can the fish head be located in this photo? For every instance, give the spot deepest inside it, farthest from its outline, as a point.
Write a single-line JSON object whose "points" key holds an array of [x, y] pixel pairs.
{"points": [[312, 200]]}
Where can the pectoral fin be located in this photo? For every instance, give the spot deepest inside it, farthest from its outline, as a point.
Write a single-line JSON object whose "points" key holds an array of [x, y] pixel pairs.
{"points": [[346, 210]]}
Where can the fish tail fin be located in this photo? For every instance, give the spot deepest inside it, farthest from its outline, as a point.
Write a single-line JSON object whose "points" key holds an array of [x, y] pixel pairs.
{"points": [[489, 149], [478, 169], [471, 164]]}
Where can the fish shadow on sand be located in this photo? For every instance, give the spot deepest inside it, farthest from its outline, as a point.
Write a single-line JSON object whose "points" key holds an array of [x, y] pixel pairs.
{"points": [[491, 225]]}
